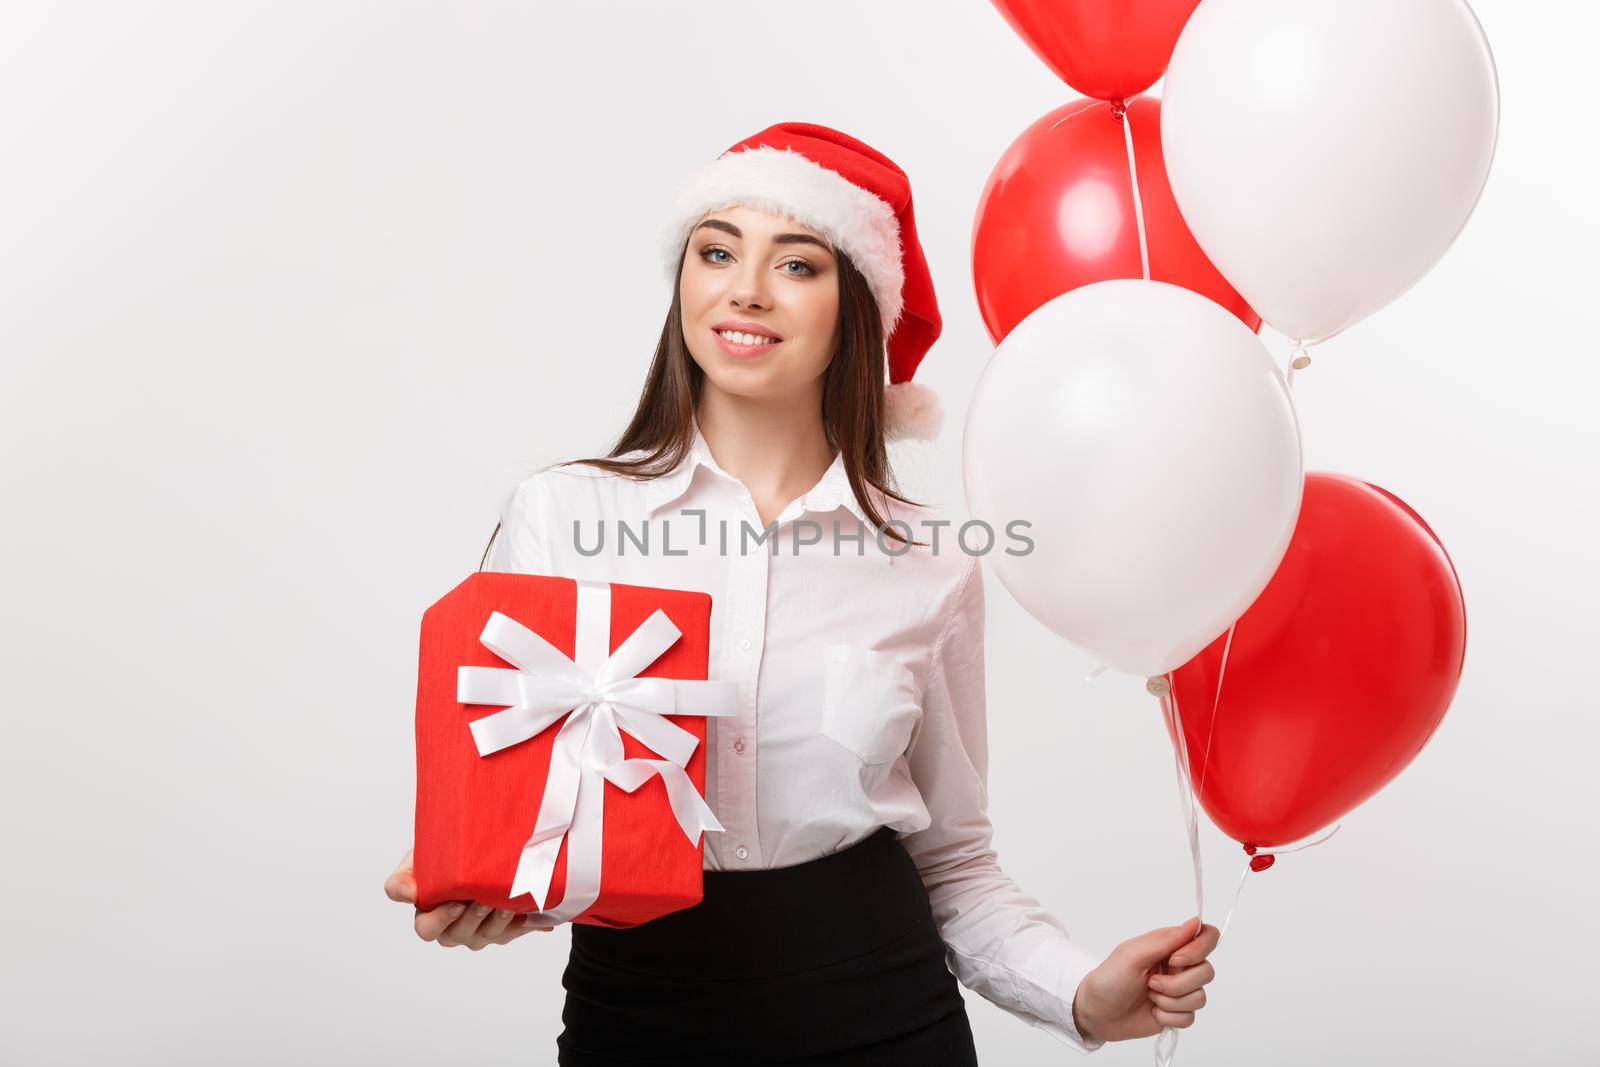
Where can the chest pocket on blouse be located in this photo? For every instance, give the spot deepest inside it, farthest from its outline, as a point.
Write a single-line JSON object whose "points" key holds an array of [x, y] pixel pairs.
{"points": [[869, 702]]}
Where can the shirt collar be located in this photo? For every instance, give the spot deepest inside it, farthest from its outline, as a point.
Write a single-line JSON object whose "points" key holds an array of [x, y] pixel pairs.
{"points": [[832, 490]]}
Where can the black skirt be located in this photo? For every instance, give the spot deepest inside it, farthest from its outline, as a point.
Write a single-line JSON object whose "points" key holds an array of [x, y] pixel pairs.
{"points": [[836, 961]]}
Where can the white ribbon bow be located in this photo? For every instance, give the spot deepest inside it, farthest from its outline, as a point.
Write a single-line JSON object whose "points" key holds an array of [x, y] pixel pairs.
{"points": [[544, 686]]}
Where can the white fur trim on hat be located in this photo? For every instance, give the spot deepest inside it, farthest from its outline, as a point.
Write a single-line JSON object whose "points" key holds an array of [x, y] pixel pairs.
{"points": [[912, 411], [782, 181]]}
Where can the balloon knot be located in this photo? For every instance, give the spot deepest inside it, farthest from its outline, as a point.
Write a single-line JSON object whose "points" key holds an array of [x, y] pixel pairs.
{"points": [[1262, 862]]}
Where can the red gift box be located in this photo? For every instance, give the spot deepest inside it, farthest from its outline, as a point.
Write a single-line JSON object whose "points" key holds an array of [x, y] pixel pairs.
{"points": [[533, 694]]}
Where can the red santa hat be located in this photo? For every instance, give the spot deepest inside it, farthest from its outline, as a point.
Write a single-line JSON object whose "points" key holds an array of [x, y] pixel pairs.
{"points": [[861, 201]]}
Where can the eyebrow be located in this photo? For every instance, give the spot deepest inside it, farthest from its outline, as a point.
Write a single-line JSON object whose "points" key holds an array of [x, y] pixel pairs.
{"points": [[780, 239]]}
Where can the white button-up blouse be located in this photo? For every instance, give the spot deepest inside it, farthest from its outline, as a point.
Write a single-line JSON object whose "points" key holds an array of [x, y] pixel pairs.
{"points": [[860, 667]]}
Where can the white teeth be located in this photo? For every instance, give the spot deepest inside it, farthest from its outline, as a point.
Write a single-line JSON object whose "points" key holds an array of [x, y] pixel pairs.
{"points": [[746, 338]]}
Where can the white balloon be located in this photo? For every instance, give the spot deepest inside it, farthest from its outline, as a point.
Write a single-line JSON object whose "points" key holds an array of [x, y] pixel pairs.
{"points": [[1326, 153], [1148, 439]]}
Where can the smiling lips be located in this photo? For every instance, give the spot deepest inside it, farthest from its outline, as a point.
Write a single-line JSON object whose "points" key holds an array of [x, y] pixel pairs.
{"points": [[745, 343]]}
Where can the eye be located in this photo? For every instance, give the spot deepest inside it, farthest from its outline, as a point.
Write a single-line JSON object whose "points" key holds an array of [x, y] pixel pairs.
{"points": [[711, 250], [809, 269]]}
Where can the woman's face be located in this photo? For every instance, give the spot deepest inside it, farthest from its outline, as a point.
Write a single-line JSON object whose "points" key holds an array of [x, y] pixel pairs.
{"points": [[747, 272]]}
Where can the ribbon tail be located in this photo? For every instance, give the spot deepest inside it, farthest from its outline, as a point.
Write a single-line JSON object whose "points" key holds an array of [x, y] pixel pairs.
{"points": [[535, 868], [537, 864], [694, 815], [585, 840]]}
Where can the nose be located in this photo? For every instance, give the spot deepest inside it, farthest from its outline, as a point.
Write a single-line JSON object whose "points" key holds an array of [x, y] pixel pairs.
{"points": [[750, 287]]}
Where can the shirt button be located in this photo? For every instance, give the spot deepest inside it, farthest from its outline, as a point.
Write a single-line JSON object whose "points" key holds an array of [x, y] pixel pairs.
{"points": [[742, 852], [738, 744], [745, 644]]}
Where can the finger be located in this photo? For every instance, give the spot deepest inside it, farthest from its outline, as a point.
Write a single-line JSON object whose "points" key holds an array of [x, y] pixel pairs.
{"points": [[1149, 948], [1178, 1019], [494, 924], [1190, 1002], [462, 930], [1199, 948], [513, 931], [430, 924], [396, 884], [537, 921], [1185, 981], [402, 887]]}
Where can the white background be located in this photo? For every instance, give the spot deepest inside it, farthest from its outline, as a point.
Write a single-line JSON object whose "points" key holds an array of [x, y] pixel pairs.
{"points": [[294, 293]]}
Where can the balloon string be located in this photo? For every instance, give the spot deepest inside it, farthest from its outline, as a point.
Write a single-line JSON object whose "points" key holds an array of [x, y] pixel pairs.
{"points": [[1186, 791], [1166, 1043], [1296, 848], [1258, 851], [1120, 111], [1216, 705], [1248, 868], [1237, 890]]}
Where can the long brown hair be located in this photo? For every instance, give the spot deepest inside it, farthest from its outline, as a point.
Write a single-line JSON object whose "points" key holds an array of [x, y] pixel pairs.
{"points": [[853, 413]]}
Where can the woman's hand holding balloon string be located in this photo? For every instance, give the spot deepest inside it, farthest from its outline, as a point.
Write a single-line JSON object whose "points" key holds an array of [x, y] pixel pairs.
{"points": [[1149, 982]]}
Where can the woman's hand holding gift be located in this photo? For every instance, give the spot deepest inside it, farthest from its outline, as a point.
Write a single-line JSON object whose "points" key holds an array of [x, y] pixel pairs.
{"points": [[460, 922]]}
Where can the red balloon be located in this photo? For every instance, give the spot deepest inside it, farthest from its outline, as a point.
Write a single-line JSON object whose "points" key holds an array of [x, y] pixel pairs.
{"points": [[1057, 213], [1110, 49], [1338, 674]]}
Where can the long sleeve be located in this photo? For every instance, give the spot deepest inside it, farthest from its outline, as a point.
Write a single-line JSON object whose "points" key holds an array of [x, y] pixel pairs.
{"points": [[517, 547], [1001, 943]]}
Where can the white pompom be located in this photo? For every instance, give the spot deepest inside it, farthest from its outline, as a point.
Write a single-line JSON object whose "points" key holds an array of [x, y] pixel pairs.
{"points": [[912, 412]]}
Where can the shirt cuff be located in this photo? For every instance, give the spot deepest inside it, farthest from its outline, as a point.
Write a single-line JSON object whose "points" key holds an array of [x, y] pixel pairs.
{"points": [[1063, 964]]}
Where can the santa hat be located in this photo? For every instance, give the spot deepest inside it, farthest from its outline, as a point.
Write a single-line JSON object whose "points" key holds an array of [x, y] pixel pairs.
{"points": [[861, 201]]}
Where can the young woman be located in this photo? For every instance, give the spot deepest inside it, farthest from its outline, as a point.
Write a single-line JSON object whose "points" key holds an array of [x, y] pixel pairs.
{"points": [[855, 872]]}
